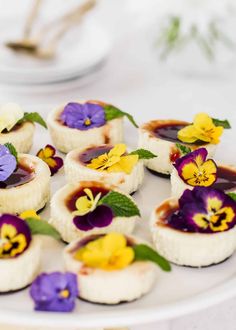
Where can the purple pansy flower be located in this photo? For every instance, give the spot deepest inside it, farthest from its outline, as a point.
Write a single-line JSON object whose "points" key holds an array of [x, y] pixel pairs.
{"points": [[101, 217], [204, 210], [54, 292], [7, 163], [15, 236], [83, 116]]}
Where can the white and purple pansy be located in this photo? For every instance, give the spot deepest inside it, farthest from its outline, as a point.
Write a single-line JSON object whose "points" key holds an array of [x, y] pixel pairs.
{"points": [[204, 210]]}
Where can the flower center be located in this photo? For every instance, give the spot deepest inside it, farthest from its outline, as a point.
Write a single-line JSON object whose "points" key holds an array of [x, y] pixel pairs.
{"points": [[87, 122], [64, 293]]}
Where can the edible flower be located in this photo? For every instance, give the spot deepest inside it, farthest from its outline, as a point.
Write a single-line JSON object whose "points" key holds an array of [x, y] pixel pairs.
{"points": [[29, 214], [7, 163], [54, 292], [10, 114], [195, 170], [109, 252], [15, 236], [202, 129], [83, 116], [88, 214], [47, 154], [204, 210], [115, 160]]}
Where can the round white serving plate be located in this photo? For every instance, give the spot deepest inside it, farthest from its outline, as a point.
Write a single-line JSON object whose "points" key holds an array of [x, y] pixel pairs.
{"points": [[183, 290]]}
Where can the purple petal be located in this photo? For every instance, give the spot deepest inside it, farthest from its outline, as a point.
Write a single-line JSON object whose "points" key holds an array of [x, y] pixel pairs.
{"points": [[59, 165], [101, 217], [7, 166], [191, 157], [81, 222], [4, 150]]}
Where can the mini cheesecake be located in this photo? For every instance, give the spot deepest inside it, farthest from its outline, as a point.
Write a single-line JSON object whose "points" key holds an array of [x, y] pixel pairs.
{"points": [[28, 187], [66, 139], [185, 248], [19, 272], [226, 181], [63, 206], [160, 137], [110, 287], [76, 170], [21, 136]]}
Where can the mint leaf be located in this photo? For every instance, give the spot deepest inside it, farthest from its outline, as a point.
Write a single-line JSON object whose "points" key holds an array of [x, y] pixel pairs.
{"points": [[34, 117], [232, 195], [144, 252], [112, 112], [121, 205], [183, 149], [224, 123], [42, 227], [12, 149], [143, 154]]}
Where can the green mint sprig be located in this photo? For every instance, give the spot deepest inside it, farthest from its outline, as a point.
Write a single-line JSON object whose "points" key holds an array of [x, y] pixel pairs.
{"points": [[144, 252], [34, 117], [42, 227], [12, 150], [232, 195], [112, 112], [143, 154], [224, 123], [121, 205], [183, 149]]}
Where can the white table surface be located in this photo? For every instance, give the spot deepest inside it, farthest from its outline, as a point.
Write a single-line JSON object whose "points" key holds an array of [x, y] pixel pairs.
{"points": [[134, 80]]}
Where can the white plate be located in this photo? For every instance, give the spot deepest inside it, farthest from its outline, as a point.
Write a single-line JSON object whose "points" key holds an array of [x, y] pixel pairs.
{"points": [[176, 293], [80, 52]]}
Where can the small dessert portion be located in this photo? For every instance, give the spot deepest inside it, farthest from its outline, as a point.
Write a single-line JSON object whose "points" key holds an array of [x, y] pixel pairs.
{"points": [[198, 230], [161, 137], [20, 251], [92, 208], [81, 124], [195, 170], [17, 127], [107, 164], [24, 181], [112, 268]]}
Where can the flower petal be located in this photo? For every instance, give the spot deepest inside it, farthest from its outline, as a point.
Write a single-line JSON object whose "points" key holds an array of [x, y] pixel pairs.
{"points": [[125, 164], [187, 134], [118, 150], [101, 217], [81, 222]]}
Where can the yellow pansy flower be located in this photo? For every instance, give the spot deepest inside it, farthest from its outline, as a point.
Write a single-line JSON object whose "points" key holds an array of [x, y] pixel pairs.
{"points": [[29, 214], [86, 204], [115, 161], [109, 253], [202, 129]]}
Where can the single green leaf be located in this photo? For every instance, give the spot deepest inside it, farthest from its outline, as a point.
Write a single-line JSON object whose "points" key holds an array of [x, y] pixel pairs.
{"points": [[183, 149], [144, 252], [232, 195], [34, 117], [143, 154], [224, 123], [12, 149], [42, 227], [112, 112], [121, 205]]}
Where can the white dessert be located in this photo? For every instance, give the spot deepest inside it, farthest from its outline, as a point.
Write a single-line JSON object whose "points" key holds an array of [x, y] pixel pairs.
{"points": [[188, 248], [110, 287], [30, 195], [16, 273], [164, 149], [76, 171], [62, 217], [66, 139]]}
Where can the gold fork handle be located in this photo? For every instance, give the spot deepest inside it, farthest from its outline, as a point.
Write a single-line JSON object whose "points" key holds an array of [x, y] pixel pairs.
{"points": [[31, 18]]}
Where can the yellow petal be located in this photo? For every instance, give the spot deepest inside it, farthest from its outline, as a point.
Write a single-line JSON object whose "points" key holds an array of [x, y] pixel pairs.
{"points": [[126, 164], [120, 259], [83, 205], [113, 242], [21, 240], [203, 121], [216, 134], [213, 203], [8, 231], [187, 134], [29, 214], [98, 163], [48, 152], [189, 171], [51, 162], [89, 193], [209, 167], [118, 150]]}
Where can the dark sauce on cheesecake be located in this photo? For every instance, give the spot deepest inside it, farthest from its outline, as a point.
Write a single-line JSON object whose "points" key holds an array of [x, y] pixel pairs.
{"points": [[13, 129], [20, 176], [93, 152], [226, 179]]}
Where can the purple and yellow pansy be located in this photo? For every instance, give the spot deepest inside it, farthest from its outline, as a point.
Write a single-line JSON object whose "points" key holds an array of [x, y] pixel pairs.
{"points": [[15, 236], [47, 154], [204, 210], [195, 170]]}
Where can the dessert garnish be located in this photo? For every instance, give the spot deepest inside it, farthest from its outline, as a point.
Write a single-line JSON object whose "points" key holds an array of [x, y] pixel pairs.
{"points": [[8, 161], [84, 116], [204, 210], [54, 292], [113, 251], [204, 129], [232, 195], [117, 159], [47, 154], [29, 214], [195, 170], [184, 150], [97, 211], [11, 115]]}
